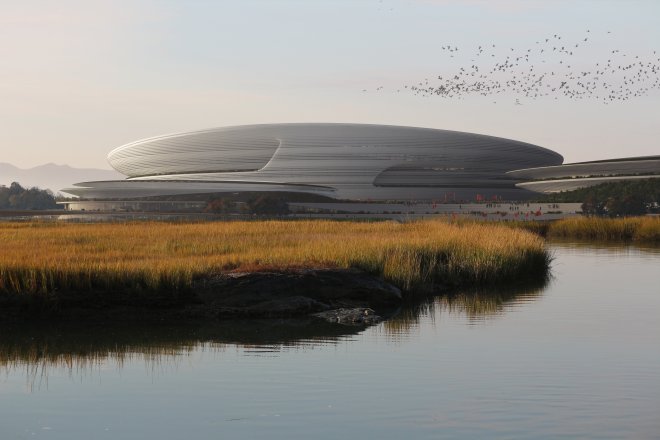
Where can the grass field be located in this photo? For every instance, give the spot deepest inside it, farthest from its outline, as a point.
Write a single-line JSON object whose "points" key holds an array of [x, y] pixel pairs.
{"points": [[40, 258]]}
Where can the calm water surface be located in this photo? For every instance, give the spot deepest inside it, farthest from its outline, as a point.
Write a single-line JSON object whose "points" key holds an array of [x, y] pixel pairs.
{"points": [[579, 358]]}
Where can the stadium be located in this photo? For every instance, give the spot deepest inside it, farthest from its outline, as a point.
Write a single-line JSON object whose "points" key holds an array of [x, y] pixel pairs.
{"points": [[341, 161], [351, 162]]}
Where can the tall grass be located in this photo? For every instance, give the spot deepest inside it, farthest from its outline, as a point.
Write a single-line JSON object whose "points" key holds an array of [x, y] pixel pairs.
{"points": [[642, 229], [646, 229], [41, 258]]}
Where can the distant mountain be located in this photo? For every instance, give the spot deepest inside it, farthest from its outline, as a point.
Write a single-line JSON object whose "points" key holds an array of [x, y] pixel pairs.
{"points": [[52, 176]]}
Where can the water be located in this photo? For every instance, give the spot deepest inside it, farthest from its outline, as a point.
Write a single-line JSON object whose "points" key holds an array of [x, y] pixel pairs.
{"points": [[579, 358]]}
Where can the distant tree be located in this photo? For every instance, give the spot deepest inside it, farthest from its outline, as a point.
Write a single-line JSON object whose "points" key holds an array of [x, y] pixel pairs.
{"points": [[631, 204], [17, 197], [591, 206], [4, 197], [15, 189]]}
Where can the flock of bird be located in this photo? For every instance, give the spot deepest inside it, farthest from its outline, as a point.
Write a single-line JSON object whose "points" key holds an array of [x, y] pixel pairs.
{"points": [[551, 68]]}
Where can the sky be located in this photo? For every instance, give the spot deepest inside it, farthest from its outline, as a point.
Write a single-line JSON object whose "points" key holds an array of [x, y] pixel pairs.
{"points": [[80, 77]]}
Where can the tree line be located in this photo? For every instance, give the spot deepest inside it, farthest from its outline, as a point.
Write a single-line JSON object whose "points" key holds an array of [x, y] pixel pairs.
{"points": [[615, 199], [15, 196]]}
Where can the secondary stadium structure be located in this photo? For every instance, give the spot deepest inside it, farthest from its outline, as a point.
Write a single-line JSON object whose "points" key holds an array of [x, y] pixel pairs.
{"points": [[573, 176], [341, 161]]}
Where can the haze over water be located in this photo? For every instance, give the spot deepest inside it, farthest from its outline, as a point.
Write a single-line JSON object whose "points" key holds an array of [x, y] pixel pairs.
{"points": [[579, 358]]}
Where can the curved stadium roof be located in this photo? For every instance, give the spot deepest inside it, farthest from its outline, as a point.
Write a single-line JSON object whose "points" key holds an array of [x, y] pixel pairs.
{"points": [[346, 161]]}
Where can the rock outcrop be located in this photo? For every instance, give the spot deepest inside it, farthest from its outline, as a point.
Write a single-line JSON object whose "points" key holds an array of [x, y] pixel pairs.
{"points": [[295, 293]]}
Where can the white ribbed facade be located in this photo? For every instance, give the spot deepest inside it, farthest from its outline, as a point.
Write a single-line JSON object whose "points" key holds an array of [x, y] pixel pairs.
{"points": [[344, 161]]}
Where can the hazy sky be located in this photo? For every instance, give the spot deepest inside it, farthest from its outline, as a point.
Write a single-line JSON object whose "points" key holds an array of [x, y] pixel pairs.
{"points": [[80, 77]]}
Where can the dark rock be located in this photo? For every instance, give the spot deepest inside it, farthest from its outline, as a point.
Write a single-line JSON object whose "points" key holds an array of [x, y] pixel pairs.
{"points": [[278, 307], [295, 292]]}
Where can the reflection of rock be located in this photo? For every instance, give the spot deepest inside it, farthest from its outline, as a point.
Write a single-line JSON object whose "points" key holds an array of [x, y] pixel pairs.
{"points": [[294, 293], [476, 304], [358, 316], [73, 343]]}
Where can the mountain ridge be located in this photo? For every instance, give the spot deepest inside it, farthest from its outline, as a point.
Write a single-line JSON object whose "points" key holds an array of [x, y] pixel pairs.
{"points": [[53, 176]]}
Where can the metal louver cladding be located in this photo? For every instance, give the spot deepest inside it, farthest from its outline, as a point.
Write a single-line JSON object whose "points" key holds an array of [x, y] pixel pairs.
{"points": [[616, 167], [221, 150], [345, 161]]}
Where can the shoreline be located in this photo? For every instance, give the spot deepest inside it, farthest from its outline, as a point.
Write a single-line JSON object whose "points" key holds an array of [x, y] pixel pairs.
{"points": [[272, 269], [216, 270], [294, 293]]}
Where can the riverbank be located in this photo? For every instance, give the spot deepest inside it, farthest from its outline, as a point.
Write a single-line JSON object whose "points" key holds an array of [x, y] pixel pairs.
{"points": [[167, 268]]}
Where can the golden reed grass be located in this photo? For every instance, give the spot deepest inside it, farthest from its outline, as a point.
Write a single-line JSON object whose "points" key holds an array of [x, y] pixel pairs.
{"points": [[642, 229], [646, 229], [40, 258]]}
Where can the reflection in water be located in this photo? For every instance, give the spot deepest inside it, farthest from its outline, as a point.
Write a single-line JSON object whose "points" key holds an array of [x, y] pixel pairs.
{"points": [[475, 304], [84, 346], [642, 249], [480, 304], [580, 361]]}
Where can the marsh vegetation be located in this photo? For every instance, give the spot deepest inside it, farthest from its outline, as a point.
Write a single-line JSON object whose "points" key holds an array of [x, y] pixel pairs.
{"points": [[642, 229], [42, 258]]}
